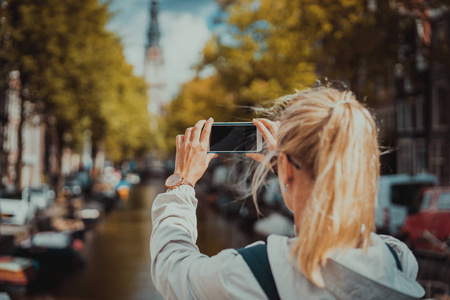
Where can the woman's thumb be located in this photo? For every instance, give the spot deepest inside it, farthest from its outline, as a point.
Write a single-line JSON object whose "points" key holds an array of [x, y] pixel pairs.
{"points": [[211, 156]]}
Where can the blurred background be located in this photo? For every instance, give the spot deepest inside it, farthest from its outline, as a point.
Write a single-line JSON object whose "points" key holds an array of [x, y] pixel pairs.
{"points": [[93, 93]]}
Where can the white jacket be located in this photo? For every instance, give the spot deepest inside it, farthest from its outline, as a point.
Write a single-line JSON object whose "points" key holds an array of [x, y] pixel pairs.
{"points": [[180, 271]]}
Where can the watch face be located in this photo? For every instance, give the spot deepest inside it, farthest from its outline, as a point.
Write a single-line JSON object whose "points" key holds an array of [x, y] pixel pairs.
{"points": [[173, 180]]}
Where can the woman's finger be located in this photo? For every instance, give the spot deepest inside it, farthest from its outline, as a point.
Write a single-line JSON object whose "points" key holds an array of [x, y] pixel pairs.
{"points": [[268, 137], [271, 125], [197, 130], [187, 135], [204, 139], [180, 141], [179, 157], [187, 138], [211, 156]]}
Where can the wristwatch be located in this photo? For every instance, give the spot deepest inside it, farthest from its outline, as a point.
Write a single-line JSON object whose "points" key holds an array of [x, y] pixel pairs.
{"points": [[176, 180]]}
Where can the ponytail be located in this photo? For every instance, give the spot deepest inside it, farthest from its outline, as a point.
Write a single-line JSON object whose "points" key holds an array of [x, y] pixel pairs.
{"points": [[335, 138]]}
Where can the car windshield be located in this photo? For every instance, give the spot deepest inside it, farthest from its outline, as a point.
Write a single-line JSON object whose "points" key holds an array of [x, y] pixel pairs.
{"points": [[9, 195], [403, 194], [425, 204], [444, 201], [36, 192]]}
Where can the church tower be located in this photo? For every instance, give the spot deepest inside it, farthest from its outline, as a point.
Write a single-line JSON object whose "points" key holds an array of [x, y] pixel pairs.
{"points": [[154, 66]]}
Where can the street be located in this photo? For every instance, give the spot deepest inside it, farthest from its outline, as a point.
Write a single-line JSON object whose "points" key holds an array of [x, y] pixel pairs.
{"points": [[117, 258], [117, 251]]}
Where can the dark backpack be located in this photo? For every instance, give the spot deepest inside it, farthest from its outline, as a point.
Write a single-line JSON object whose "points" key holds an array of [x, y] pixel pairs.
{"points": [[258, 262]]}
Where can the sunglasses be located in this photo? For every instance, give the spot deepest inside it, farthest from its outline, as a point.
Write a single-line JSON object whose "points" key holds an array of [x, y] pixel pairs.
{"points": [[274, 163]]}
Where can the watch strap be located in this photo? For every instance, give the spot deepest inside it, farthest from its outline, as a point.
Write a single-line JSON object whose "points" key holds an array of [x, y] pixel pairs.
{"points": [[183, 181]]}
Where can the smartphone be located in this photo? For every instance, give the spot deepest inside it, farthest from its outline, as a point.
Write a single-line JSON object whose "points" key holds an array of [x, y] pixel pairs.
{"points": [[231, 137]]}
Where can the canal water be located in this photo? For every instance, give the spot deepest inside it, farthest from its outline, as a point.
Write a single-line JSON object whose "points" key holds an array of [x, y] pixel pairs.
{"points": [[117, 250], [117, 254]]}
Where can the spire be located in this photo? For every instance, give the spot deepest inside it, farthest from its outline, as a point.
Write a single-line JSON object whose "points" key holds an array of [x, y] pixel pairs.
{"points": [[153, 31]]}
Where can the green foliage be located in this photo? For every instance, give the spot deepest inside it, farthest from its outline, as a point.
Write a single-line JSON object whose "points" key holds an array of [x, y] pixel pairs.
{"points": [[287, 44], [127, 128], [70, 62], [270, 48], [198, 99]]}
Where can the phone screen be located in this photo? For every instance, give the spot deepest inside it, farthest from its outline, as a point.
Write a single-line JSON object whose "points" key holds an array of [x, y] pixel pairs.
{"points": [[233, 138]]}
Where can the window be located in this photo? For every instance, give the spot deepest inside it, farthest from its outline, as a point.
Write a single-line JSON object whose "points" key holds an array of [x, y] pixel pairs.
{"points": [[400, 118], [441, 106], [372, 5], [408, 195], [404, 160], [408, 69], [441, 35], [419, 108], [421, 63], [444, 201], [390, 119], [420, 156], [408, 113], [438, 163], [425, 204], [386, 120]]}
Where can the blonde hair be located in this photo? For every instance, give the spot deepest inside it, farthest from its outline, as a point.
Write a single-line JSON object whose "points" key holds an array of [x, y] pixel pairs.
{"points": [[334, 138]]}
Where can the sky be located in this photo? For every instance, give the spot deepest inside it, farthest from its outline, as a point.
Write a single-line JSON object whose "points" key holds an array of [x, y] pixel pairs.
{"points": [[185, 27]]}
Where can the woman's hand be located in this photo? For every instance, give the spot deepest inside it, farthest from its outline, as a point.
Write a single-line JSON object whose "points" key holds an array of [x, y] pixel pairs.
{"points": [[192, 159], [269, 130]]}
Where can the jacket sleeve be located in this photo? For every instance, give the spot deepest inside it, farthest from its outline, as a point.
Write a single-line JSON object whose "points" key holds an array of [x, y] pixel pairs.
{"points": [[178, 269]]}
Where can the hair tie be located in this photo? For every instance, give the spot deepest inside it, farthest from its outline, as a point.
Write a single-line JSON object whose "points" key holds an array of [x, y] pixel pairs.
{"points": [[340, 102], [343, 99]]}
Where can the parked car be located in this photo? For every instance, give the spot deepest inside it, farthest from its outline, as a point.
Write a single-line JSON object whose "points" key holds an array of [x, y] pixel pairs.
{"points": [[429, 229], [16, 207], [72, 188], [41, 197], [397, 198]]}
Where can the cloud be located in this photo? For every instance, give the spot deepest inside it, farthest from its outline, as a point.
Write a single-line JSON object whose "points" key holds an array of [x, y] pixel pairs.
{"points": [[132, 26], [185, 28], [183, 36]]}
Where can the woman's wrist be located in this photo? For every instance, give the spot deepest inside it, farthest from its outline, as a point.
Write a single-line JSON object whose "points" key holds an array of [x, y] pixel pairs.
{"points": [[185, 189], [191, 179], [177, 179]]}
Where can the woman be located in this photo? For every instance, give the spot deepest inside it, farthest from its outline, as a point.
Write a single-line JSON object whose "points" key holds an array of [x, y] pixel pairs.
{"points": [[325, 151]]}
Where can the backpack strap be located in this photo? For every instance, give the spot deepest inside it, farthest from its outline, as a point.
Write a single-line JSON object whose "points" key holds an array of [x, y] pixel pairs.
{"points": [[258, 262], [397, 260]]}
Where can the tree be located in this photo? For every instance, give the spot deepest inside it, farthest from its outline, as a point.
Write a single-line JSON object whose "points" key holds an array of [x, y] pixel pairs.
{"points": [[70, 62], [127, 129], [198, 99], [267, 48], [287, 44], [261, 55]]}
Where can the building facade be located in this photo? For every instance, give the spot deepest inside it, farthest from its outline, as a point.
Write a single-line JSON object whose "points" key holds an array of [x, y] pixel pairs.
{"points": [[23, 139], [417, 122], [439, 134], [154, 67], [11, 136], [33, 145]]}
